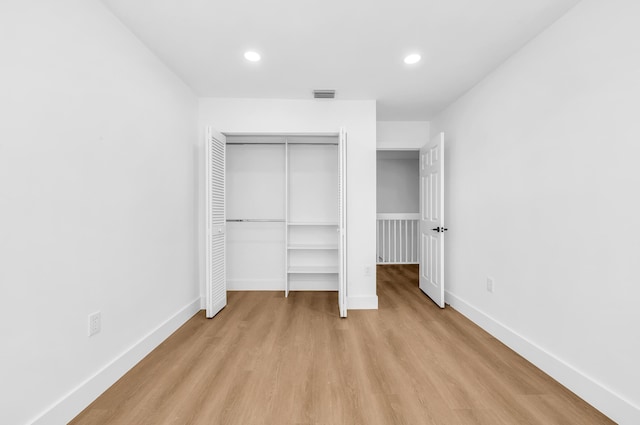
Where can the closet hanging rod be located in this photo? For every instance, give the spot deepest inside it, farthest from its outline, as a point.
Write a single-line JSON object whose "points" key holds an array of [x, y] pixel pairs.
{"points": [[283, 143], [313, 143], [254, 220], [255, 143]]}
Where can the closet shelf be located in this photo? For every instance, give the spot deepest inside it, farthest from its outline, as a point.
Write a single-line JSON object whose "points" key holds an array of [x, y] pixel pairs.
{"points": [[311, 224], [255, 220], [313, 270], [312, 247]]}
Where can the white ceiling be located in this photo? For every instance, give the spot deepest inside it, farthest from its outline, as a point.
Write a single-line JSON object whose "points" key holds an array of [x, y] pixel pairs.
{"points": [[354, 46]]}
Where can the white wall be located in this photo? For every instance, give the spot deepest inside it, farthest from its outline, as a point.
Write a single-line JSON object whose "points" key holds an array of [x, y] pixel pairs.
{"points": [[312, 116], [542, 196], [97, 204], [402, 134], [398, 185]]}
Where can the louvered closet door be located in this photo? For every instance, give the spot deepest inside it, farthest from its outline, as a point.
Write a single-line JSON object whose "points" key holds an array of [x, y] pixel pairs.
{"points": [[216, 286], [342, 224]]}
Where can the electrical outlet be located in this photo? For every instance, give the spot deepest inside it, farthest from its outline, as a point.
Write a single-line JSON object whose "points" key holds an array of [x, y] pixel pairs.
{"points": [[94, 323], [490, 284]]}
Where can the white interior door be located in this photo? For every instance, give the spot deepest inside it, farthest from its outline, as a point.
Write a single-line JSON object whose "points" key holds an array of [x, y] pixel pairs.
{"points": [[342, 223], [216, 287], [432, 220]]}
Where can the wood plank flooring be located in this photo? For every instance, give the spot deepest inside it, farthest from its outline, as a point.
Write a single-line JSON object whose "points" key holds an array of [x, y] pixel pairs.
{"points": [[266, 359]]}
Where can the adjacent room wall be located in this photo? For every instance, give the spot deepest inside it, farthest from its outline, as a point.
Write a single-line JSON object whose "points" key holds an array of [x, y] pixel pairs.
{"points": [[97, 205], [313, 116], [398, 180], [542, 186], [397, 187]]}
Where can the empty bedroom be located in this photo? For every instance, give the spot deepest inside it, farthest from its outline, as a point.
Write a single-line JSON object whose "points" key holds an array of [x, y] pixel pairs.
{"points": [[319, 212]]}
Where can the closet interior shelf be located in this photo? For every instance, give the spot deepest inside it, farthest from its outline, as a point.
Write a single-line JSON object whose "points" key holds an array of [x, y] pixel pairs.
{"points": [[313, 270], [254, 220], [311, 224]]}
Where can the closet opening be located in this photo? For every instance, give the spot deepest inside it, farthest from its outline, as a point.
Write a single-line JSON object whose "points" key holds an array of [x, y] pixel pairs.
{"points": [[398, 212], [284, 213]]}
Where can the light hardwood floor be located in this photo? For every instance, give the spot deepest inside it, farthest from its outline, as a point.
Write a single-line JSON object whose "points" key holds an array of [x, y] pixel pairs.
{"points": [[266, 359]]}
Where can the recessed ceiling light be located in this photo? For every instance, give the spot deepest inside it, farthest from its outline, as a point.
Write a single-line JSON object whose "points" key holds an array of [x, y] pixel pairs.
{"points": [[252, 56], [413, 58]]}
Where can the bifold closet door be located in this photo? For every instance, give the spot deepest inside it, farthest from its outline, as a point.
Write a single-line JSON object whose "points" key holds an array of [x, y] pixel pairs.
{"points": [[216, 290], [342, 225]]}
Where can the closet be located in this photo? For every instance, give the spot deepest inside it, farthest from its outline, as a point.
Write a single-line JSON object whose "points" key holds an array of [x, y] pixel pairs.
{"points": [[285, 215]]}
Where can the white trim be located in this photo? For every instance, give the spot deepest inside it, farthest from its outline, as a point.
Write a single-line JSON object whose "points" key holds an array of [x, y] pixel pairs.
{"points": [[362, 303], [255, 284], [287, 285], [593, 392], [398, 216], [391, 263], [391, 148], [69, 406], [278, 285], [343, 264], [314, 285]]}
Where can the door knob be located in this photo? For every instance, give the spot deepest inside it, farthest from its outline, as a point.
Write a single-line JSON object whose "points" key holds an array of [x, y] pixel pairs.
{"points": [[439, 229]]}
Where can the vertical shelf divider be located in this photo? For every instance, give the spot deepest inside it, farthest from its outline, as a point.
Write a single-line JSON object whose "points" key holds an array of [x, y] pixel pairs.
{"points": [[286, 217]]}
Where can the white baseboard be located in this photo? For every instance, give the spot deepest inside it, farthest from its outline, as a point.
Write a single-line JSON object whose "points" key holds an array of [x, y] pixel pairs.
{"points": [[278, 285], [68, 407], [362, 303], [307, 284], [255, 285], [593, 392]]}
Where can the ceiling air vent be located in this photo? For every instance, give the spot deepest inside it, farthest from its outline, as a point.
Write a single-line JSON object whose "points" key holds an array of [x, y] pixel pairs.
{"points": [[324, 94]]}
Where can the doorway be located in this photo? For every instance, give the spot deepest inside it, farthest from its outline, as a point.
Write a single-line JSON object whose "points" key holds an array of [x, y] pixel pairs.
{"points": [[398, 206], [410, 213], [397, 224]]}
